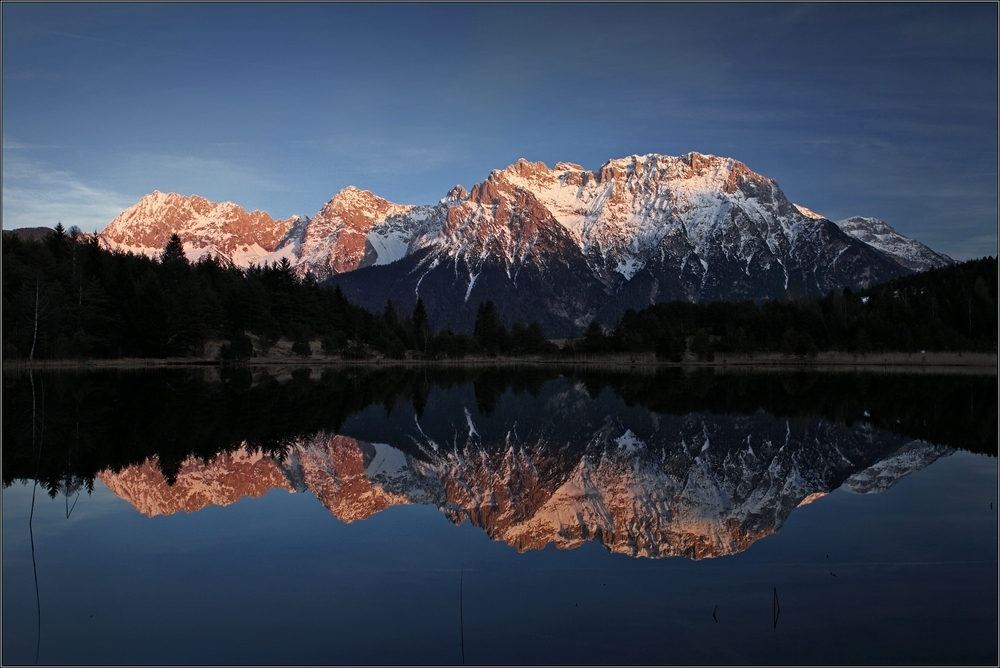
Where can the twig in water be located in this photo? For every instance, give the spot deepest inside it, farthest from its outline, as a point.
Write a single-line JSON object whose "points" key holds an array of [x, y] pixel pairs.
{"points": [[69, 510], [31, 515], [461, 613]]}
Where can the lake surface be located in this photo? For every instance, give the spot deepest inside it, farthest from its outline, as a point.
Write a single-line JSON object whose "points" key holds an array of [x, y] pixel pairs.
{"points": [[491, 516]]}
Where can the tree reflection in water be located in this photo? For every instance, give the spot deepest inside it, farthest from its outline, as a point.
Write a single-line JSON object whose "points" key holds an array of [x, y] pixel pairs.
{"points": [[654, 465]]}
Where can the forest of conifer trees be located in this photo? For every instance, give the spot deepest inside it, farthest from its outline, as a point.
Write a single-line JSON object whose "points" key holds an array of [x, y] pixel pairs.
{"points": [[67, 297]]}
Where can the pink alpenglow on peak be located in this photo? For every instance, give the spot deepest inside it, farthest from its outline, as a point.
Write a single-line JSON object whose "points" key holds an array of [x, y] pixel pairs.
{"points": [[222, 229], [808, 213]]}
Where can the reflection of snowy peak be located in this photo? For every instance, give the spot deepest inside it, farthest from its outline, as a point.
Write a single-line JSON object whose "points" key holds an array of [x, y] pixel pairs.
{"points": [[698, 486], [885, 473], [907, 252], [353, 479], [225, 480]]}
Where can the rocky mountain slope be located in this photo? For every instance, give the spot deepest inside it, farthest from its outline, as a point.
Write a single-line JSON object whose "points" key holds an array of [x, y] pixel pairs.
{"points": [[31, 233], [563, 245]]}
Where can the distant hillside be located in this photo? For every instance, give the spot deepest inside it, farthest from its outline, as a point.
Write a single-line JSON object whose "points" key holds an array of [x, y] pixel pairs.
{"points": [[31, 233]]}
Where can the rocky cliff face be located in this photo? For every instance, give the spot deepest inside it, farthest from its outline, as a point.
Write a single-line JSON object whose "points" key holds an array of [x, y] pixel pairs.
{"points": [[641, 484]]}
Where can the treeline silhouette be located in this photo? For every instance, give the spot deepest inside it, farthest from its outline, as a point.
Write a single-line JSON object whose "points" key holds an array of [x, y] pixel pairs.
{"points": [[952, 308], [87, 423], [65, 296]]}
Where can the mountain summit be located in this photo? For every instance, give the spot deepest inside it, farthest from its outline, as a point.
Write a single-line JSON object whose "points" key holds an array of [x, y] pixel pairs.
{"points": [[562, 246], [206, 228], [907, 252]]}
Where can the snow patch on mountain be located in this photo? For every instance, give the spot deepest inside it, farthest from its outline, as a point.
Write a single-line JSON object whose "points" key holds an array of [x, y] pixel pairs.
{"points": [[629, 443], [808, 213], [387, 461]]}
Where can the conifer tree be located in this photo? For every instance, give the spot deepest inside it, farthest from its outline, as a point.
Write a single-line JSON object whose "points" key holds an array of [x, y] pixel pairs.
{"points": [[57, 241], [173, 252], [489, 331], [421, 325]]}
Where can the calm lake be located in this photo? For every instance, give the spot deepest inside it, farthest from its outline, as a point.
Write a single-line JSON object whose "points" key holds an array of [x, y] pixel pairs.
{"points": [[499, 516]]}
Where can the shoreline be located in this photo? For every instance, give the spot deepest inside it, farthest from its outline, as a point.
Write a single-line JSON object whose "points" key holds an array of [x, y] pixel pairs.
{"points": [[896, 362]]}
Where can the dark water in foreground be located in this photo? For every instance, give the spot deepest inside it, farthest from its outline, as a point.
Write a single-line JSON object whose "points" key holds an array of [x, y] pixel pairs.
{"points": [[380, 517]]}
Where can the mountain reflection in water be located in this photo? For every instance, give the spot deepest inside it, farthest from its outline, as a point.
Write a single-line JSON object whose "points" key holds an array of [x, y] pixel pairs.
{"points": [[562, 467], [527, 460]]}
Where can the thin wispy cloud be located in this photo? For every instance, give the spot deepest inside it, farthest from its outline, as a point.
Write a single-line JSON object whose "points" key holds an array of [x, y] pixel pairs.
{"points": [[21, 146], [144, 48], [30, 75], [975, 246], [34, 196], [382, 156]]}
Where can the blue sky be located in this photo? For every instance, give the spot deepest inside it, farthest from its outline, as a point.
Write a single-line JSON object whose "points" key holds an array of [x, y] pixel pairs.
{"points": [[885, 110]]}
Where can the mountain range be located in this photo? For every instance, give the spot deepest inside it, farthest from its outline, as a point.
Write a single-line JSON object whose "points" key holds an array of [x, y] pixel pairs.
{"points": [[561, 246]]}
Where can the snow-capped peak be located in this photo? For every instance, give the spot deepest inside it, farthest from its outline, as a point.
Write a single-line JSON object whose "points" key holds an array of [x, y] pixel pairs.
{"points": [[907, 252], [221, 229]]}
